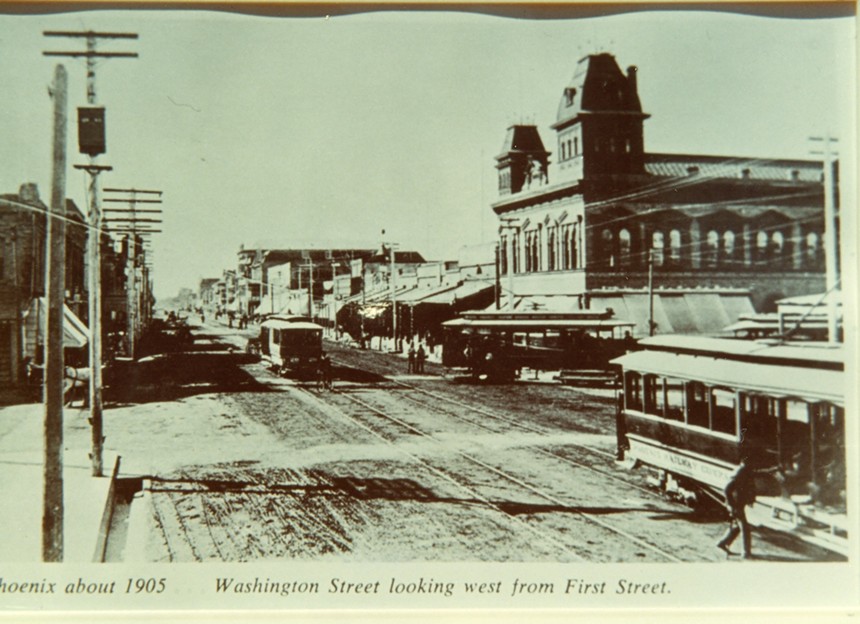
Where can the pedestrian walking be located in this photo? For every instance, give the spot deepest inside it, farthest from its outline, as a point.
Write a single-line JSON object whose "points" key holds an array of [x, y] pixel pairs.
{"points": [[324, 379], [420, 356], [739, 491], [411, 359]]}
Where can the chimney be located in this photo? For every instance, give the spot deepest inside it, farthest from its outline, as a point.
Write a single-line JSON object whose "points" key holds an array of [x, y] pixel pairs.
{"points": [[631, 80], [29, 192]]}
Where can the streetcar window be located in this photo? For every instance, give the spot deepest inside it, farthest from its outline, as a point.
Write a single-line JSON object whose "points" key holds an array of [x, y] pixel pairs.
{"points": [[723, 411], [653, 395], [797, 410], [697, 404], [633, 391], [674, 389]]}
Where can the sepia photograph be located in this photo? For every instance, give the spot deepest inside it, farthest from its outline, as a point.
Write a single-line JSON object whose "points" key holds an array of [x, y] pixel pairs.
{"points": [[520, 308]]}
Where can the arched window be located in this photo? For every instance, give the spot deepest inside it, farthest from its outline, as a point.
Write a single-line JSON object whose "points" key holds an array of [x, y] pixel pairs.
{"points": [[761, 241], [574, 248], [503, 255], [812, 250], [675, 247], [657, 249], [777, 243], [728, 247], [515, 257], [712, 250], [535, 251], [607, 241], [624, 247], [550, 249]]}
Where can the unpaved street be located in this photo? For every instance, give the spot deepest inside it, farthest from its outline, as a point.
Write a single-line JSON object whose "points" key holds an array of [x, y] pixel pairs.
{"points": [[238, 464]]}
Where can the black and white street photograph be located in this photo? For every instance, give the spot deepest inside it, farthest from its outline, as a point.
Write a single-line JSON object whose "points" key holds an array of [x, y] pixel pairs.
{"points": [[525, 307]]}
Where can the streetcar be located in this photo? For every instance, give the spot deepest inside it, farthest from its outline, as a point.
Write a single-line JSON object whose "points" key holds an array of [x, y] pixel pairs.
{"points": [[690, 408], [290, 344], [497, 345]]}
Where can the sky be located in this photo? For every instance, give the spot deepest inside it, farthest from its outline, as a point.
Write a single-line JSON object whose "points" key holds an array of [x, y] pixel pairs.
{"points": [[288, 131]]}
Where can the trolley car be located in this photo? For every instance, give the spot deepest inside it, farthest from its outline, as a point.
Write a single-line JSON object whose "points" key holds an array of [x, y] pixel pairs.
{"points": [[498, 345], [692, 407], [290, 344]]}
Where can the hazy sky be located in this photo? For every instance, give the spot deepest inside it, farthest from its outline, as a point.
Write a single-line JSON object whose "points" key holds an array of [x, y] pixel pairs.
{"points": [[329, 130]]}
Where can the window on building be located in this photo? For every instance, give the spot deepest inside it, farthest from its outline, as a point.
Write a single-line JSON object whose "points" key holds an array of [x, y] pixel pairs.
{"points": [[813, 250], [712, 248], [624, 246], [569, 96], [607, 247], [777, 247], [565, 247], [761, 241], [563, 150], [657, 249], [550, 249], [503, 255], [575, 146], [728, 246], [535, 251], [675, 247]]}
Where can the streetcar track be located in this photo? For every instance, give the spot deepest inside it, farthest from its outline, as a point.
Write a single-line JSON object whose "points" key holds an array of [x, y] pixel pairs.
{"points": [[535, 490], [540, 431]]}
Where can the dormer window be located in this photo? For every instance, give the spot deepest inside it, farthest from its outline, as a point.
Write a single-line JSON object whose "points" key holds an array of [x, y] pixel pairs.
{"points": [[569, 96]]}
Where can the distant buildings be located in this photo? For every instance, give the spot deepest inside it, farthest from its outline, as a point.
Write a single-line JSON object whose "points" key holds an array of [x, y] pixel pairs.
{"points": [[720, 236]]}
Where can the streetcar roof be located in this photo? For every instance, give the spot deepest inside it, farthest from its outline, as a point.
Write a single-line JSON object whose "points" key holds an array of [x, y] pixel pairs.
{"points": [[774, 379], [290, 325], [810, 354], [515, 324]]}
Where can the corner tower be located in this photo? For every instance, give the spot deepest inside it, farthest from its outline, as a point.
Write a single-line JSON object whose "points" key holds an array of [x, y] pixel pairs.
{"points": [[523, 163], [599, 124]]}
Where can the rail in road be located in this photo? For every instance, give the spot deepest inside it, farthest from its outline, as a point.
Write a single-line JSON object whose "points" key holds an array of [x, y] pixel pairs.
{"points": [[467, 481]]}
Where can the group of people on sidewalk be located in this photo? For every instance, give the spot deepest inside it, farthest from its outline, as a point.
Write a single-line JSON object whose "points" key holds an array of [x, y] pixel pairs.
{"points": [[415, 359]]}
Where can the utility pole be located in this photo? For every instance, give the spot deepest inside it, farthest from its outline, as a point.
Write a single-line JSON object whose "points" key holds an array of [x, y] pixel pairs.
{"points": [[134, 227], [651, 324], [52, 513], [392, 283], [831, 243], [94, 232]]}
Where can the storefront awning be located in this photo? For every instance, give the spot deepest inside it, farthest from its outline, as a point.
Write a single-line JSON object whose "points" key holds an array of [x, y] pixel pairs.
{"points": [[75, 332]]}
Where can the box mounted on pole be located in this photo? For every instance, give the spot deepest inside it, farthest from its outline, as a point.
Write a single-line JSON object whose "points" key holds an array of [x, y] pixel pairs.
{"points": [[91, 130]]}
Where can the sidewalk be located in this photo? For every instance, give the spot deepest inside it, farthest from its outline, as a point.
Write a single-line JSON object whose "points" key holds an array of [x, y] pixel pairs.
{"points": [[21, 486]]}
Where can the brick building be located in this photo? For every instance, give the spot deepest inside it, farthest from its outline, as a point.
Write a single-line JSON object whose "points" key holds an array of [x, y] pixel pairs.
{"points": [[724, 236], [23, 238]]}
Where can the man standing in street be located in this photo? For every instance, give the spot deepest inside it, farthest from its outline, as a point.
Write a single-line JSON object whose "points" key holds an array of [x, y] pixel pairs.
{"points": [[410, 362], [739, 491], [419, 360]]}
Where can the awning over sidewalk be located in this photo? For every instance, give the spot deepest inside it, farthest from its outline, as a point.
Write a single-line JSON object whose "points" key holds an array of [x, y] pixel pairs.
{"points": [[75, 332], [675, 312]]}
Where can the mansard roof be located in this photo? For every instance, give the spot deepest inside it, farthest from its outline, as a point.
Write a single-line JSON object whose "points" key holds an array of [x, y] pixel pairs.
{"points": [[598, 85], [522, 139]]}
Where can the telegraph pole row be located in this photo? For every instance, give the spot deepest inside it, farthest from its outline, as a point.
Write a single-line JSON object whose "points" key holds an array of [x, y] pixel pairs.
{"points": [[91, 139], [134, 227]]}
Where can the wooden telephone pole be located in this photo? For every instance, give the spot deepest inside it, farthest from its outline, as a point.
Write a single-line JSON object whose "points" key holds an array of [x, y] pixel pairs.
{"points": [[95, 231], [52, 512]]}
